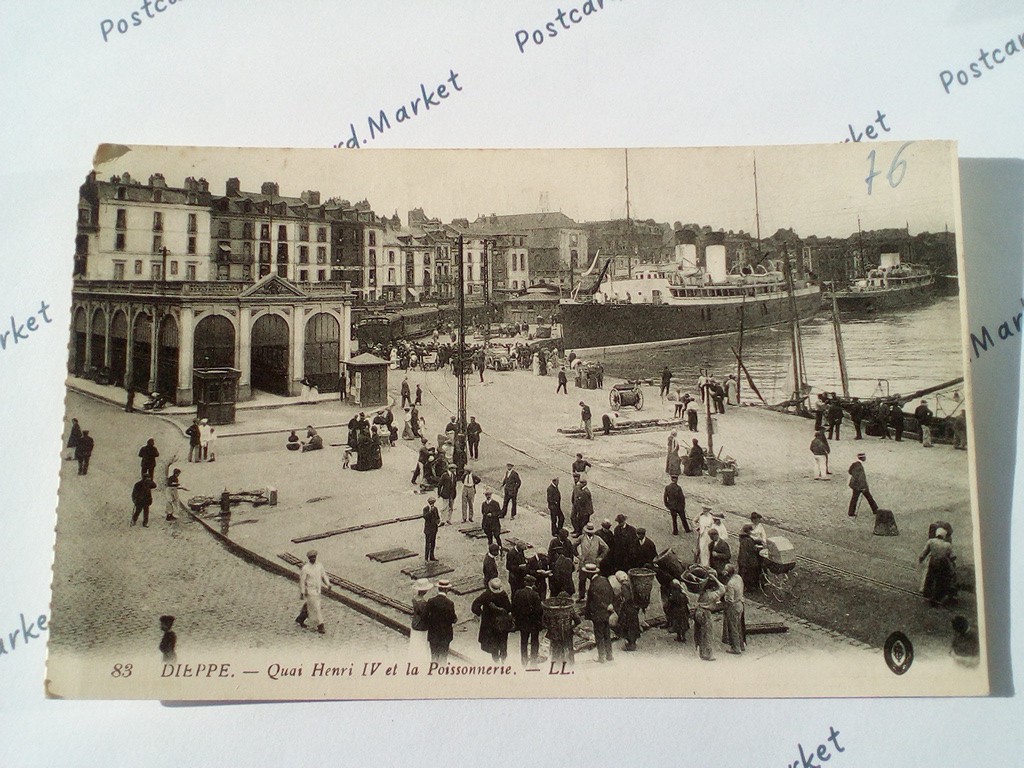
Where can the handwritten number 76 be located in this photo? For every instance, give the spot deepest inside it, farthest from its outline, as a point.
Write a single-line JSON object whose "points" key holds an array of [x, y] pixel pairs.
{"points": [[897, 170]]}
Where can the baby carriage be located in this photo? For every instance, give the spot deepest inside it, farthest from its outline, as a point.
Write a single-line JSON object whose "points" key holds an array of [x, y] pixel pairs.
{"points": [[778, 560]]}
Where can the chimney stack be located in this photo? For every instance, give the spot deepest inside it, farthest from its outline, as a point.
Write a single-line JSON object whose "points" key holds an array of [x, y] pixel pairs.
{"points": [[270, 188], [232, 188], [310, 197], [157, 180]]}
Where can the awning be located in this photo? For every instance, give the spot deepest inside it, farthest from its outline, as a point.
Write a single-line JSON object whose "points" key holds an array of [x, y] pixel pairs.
{"points": [[225, 248]]}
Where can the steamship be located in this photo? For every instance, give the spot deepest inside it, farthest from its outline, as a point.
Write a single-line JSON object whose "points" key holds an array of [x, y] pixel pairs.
{"points": [[892, 285], [676, 302]]}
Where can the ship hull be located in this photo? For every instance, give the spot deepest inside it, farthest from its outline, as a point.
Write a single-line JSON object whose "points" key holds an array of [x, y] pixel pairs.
{"points": [[596, 326], [868, 302]]}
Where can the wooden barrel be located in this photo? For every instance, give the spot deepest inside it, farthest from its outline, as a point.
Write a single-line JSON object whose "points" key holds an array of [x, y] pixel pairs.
{"points": [[669, 561]]}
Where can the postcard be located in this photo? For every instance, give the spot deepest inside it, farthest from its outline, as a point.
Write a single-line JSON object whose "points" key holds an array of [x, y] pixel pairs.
{"points": [[387, 424]]}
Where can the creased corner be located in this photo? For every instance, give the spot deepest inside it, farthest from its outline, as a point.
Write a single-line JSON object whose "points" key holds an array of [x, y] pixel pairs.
{"points": [[107, 152]]}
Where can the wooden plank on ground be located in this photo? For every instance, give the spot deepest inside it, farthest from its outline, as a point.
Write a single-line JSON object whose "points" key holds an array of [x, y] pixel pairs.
{"points": [[353, 528], [427, 570], [767, 628], [467, 585], [390, 555]]}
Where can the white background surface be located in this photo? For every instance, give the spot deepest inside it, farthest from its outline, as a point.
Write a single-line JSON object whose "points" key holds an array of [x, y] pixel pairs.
{"points": [[638, 73]]}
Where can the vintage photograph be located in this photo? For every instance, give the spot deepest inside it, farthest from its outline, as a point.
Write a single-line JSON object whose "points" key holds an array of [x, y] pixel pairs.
{"points": [[377, 424]]}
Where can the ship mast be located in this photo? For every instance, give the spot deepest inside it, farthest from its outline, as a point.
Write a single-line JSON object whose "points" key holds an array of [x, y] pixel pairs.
{"points": [[629, 227]]}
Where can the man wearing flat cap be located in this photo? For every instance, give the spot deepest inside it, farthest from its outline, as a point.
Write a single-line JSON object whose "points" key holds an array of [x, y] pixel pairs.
{"points": [[555, 507], [431, 522], [675, 503], [510, 489], [582, 506], [312, 579], [599, 600], [529, 615]]}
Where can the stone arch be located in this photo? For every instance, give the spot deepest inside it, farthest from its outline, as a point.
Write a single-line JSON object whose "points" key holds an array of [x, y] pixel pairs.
{"points": [[142, 350], [118, 346], [322, 351], [167, 357], [79, 342], [214, 342], [98, 338], [269, 356]]}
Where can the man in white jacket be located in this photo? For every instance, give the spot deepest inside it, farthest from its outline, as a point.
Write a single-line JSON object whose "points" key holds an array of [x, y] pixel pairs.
{"points": [[312, 579]]}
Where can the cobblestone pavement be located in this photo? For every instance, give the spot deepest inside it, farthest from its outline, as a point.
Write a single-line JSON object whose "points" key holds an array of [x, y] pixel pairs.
{"points": [[111, 581], [520, 414]]}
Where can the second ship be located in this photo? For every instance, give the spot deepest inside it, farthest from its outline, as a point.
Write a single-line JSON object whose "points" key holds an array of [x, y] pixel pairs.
{"points": [[665, 304]]}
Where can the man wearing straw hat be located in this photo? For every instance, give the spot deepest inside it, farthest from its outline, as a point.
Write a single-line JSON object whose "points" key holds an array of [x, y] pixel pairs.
{"points": [[312, 579], [419, 648], [440, 618], [591, 550]]}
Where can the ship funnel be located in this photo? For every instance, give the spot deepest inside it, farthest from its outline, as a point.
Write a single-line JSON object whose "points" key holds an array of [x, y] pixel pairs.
{"points": [[686, 255], [715, 257], [889, 260]]}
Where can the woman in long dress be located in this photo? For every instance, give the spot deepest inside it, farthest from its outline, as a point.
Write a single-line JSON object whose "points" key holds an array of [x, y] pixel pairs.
{"points": [[940, 569], [673, 462], [703, 618], [629, 612], [495, 611]]}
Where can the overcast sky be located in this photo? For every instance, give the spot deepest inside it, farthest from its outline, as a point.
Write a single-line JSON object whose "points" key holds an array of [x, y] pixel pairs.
{"points": [[816, 190]]}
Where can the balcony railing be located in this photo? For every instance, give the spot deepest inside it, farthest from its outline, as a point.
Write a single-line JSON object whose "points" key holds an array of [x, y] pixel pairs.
{"points": [[225, 288]]}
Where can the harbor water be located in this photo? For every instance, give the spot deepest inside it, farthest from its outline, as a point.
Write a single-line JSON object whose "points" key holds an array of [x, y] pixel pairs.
{"points": [[896, 352]]}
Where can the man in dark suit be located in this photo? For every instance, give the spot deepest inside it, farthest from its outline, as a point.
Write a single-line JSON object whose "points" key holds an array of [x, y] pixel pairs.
{"points": [[473, 431], [440, 618], [431, 522], [537, 566], [83, 452], [510, 489], [624, 551], [515, 561], [555, 507], [582, 506], [646, 550], [490, 564], [490, 512], [598, 609], [563, 382], [675, 502], [529, 615], [142, 498]]}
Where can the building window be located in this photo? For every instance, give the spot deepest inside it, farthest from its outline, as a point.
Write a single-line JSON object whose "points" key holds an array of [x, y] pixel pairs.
{"points": [[158, 195], [247, 271], [321, 275], [119, 270], [304, 232], [321, 234], [122, 216], [174, 267], [222, 272], [155, 271], [282, 232], [158, 221], [247, 230], [224, 229], [303, 254], [120, 193], [193, 223], [265, 252], [303, 275], [119, 241], [190, 271], [391, 276], [138, 266], [282, 270], [373, 238], [83, 215], [158, 243], [426, 259], [247, 249], [282, 251], [373, 258], [321, 254], [192, 245], [264, 231]]}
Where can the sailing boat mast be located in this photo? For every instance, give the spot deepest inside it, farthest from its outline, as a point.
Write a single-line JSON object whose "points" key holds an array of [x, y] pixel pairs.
{"points": [[629, 227]]}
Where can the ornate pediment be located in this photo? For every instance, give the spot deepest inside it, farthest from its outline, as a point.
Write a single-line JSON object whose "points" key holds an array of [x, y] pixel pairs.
{"points": [[273, 285]]}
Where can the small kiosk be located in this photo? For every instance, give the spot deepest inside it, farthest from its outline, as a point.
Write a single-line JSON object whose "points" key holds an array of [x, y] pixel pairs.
{"points": [[216, 392], [368, 380]]}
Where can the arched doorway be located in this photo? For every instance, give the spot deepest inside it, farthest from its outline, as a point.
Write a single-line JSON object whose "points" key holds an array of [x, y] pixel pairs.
{"points": [[142, 351], [214, 345], [79, 342], [118, 347], [323, 351], [269, 360], [167, 358], [98, 339]]}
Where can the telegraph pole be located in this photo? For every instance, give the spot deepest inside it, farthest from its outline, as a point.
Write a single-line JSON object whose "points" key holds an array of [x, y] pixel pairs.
{"points": [[460, 368]]}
